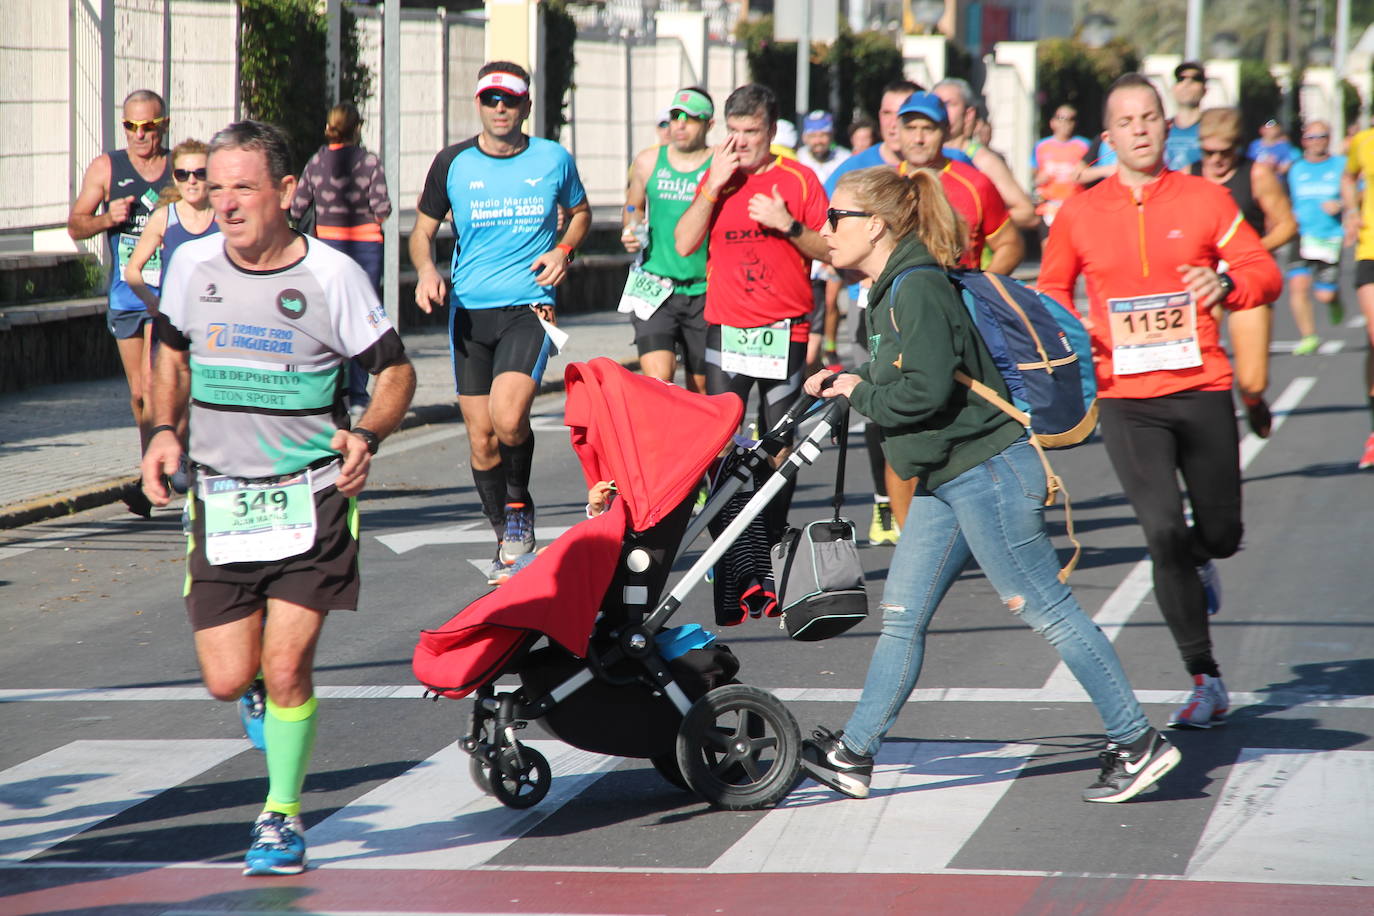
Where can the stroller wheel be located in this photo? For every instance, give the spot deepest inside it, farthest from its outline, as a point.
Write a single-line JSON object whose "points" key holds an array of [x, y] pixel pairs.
{"points": [[517, 786], [739, 748], [480, 772], [667, 767]]}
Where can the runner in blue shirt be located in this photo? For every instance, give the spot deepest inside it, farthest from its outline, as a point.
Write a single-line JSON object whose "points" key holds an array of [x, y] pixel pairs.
{"points": [[504, 190], [1314, 184], [1183, 146]]}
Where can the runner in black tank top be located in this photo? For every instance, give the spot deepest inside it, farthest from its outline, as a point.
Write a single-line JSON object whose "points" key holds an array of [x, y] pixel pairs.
{"points": [[118, 194], [1263, 204]]}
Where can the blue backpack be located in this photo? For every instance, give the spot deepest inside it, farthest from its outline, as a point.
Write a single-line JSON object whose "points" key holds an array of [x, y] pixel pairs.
{"points": [[1045, 356], [1042, 350]]}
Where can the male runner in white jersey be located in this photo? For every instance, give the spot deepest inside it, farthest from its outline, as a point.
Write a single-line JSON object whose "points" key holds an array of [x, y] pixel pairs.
{"points": [[259, 325]]}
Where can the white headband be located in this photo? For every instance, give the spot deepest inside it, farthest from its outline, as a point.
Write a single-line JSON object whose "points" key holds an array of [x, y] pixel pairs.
{"points": [[507, 82]]}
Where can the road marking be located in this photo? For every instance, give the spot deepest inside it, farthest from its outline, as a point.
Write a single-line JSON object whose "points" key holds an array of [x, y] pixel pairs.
{"points": [[433, 816], [51, 798], [928, 798], [1291, 816], [1070, 693], [1327, 348], [1123, 602], [48, 539], [406, 541]]}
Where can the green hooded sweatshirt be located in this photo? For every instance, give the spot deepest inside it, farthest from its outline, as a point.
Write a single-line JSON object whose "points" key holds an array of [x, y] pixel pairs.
{"points": [[934, 428]]}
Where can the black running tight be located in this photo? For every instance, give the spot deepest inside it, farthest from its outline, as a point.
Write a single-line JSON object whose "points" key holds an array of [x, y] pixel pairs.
{"points": [[1151, 441]]}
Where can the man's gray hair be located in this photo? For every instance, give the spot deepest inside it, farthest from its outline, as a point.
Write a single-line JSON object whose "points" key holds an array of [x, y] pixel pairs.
{"points": [[257, 137], [965, 90], [146, 95]]}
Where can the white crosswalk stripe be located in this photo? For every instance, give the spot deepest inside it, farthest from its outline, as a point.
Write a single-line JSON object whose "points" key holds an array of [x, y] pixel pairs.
{"points": [[1291, 816], [434, 816], [928, 797], [1281, 816], [51, 798]]}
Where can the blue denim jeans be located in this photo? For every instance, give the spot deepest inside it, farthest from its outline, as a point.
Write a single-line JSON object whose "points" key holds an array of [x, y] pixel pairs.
{"points": [[993, 513]]}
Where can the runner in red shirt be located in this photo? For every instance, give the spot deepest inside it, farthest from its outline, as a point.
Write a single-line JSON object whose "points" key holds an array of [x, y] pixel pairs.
{"points": [[762, 214], [925, 131], [1148, 241]]}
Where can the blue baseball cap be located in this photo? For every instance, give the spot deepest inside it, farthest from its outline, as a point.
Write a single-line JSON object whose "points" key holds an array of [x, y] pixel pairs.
{"points": [[925, 104], [818, 120]]}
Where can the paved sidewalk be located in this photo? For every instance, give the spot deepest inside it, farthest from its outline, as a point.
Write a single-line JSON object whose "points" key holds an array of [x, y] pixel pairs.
{"points": [[69, 447]]}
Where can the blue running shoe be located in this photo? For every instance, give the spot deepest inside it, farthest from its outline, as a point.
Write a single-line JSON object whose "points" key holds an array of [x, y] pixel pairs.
{"points": [[252, 707], [518, 538], [278, 846]]}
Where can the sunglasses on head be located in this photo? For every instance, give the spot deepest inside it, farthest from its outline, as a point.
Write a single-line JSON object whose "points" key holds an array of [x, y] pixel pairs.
{"points": [[490, 98], [836, 215], [185, 174], [150, 124]]}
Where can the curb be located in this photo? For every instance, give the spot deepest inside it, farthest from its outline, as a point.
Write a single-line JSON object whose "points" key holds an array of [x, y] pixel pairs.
{"points": [[110, 491]]}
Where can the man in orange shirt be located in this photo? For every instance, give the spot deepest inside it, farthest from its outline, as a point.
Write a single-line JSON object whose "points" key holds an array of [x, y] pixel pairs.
{"points": [[1148, 241]]}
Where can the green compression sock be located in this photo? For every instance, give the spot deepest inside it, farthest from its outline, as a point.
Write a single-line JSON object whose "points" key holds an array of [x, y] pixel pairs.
{"points": [[290, 737]]}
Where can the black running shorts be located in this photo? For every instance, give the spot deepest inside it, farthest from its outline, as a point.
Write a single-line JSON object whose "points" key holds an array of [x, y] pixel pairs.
{"points": [[126, 323], [1364, 273], [680, 320], [483, 343], [324, 578]]}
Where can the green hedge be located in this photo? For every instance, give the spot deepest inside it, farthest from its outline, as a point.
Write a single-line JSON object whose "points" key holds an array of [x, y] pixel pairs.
{"points": [[1070, 72], [863, 62], [283, 68]]}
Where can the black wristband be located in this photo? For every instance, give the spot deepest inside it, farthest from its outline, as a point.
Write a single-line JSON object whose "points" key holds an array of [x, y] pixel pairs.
{"points": [[795, 230], [1228, 286], [165, 427], [372, 439]]}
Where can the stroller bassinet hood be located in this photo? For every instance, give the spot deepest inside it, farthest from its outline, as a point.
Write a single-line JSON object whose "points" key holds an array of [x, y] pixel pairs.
{"points": [[654, 439]]}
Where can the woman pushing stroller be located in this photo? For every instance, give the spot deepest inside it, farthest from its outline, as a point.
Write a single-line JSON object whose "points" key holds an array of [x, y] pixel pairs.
{"points": [[981, 488]]}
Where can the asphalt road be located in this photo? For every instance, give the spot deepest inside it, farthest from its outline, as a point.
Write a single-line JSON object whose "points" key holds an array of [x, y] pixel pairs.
{"points": [[124, 789]]}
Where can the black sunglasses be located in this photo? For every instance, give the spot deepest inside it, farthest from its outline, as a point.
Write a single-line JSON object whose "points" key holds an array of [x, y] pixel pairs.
{"points": [[1229, 151], [836, 215], [185, 174], [490, 98]]}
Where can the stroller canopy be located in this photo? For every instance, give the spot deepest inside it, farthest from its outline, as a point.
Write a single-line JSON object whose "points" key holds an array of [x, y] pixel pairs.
{"points": [[654, 439]]}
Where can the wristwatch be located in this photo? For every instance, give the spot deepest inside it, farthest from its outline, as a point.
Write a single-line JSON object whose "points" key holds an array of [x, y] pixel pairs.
{"points": [[372, 439], [1228, 286], [795, 230]]}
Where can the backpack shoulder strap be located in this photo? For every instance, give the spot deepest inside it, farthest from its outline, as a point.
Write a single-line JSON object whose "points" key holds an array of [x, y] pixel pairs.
{"points": [[897, 282]]}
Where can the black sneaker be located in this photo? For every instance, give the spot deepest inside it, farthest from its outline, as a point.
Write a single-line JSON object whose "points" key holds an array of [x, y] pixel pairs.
{"points": [[1129, 769], [827, 760]]}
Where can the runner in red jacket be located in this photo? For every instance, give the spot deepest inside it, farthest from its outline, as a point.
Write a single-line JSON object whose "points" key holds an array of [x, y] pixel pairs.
{"points": [[1148, 242]]}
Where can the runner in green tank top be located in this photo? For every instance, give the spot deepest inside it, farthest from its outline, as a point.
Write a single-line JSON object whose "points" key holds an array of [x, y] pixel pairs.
{"points": [[665, 293]]}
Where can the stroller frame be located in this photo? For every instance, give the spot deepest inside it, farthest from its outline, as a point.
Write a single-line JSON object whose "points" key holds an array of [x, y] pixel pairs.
{"points": [[738, 747]]}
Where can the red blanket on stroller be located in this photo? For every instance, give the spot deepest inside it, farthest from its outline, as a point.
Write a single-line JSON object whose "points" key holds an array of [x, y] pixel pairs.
{"points": [[558, 594], [655, 441]]}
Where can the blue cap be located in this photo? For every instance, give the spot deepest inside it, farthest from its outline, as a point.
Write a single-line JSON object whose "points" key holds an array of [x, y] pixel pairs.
{"points": [[818, 120], [925, 104]]}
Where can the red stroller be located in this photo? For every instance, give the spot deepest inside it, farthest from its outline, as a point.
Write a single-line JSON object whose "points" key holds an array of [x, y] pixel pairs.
{"points": [[601, 682]]}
